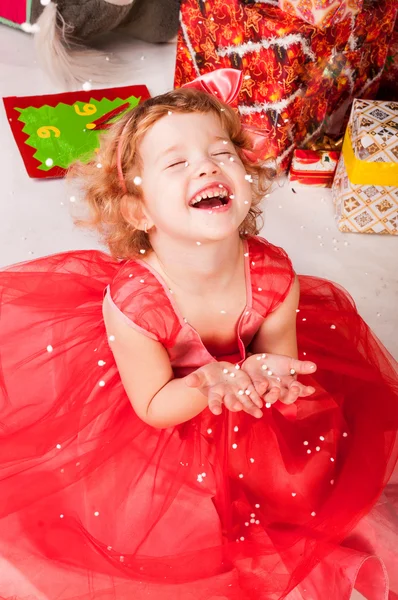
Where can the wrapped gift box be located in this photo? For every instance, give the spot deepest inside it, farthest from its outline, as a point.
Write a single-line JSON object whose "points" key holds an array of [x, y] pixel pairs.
{"points": [[389, 80], [322, 13], [313, 167], [365, 188], [281, 58]]}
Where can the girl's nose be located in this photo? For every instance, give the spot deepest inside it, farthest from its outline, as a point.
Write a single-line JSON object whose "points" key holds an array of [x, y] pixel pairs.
{"points": [[207, 168]]}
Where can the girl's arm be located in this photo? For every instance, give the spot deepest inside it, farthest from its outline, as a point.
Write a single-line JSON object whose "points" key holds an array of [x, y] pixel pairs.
{"points": [[146, 374], [277, 334]]}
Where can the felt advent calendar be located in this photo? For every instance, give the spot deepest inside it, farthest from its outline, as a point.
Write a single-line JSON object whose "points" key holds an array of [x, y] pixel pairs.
{"points": [[54, 131]]}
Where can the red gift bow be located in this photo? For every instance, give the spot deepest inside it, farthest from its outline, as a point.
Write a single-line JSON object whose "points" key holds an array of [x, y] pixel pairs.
{"points": [[225, 85]]}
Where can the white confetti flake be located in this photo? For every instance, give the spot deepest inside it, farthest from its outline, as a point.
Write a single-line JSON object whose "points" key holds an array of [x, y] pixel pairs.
{"points": [[234, 446], [61, 516], [268, 405], [317, 448], [49, 162], [345, 434], [209, 431], [240, 475], [137, 180], [49, 348], [321, 438], [58, 446], [198, 243], [26, 27], [249, 178], [236, 428], [86, 86], [101, 363], [242, 539], [72, 199], [96, 514], [257, 506], [99, 166], [101, 383], [251, 460], [225, 371], [308, 451], [313, 514], [111, 338], [169, 112], [294, 494], [142, 251]]}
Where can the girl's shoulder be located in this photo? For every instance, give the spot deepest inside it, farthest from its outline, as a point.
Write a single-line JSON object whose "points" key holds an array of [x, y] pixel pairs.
{"points": [[271, 274], [139, 295]]}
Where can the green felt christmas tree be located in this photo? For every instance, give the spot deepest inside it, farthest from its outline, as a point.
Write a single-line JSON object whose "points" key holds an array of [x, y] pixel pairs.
{"points": [[64, 133]]}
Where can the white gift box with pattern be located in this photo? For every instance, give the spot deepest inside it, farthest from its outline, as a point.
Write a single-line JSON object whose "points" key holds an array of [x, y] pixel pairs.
{"points": [[365, 187]]}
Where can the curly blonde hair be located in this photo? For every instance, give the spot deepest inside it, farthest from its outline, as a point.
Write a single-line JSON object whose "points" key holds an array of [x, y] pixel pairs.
{"points": [[110, 207]]}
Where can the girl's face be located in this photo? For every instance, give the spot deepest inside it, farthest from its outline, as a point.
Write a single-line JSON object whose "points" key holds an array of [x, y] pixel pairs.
{"points": [[193, 181]]}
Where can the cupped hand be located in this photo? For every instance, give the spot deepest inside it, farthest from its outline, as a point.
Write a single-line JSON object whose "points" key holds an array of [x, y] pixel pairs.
{"points": [[225, 383], [274, 377]]}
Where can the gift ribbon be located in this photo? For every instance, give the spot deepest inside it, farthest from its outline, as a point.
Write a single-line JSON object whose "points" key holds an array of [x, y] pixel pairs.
{"points": [[364, 172]]}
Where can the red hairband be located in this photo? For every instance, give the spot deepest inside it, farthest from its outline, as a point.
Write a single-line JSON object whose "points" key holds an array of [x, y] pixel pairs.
{"points": [[225, 85]]}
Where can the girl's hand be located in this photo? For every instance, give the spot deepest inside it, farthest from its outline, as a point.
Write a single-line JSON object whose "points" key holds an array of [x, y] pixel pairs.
{"points": [[274, 377], [224, 383]]}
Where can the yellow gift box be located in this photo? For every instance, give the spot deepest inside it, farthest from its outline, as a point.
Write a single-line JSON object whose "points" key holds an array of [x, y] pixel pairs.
{"points": [[365, 188]]}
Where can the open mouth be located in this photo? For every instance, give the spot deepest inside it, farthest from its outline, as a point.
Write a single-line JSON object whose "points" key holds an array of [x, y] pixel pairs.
{"points": [[213, 198]]}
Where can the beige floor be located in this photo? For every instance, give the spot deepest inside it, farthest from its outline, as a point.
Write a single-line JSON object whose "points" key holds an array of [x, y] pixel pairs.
{"points": [[34, 215]]}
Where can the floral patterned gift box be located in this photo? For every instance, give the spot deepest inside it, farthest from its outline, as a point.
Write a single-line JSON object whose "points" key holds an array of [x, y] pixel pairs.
{"points": [[365, 188]]}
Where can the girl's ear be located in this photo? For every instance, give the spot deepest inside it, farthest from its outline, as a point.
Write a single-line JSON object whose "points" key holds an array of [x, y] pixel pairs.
{"points": [[133, 211]]}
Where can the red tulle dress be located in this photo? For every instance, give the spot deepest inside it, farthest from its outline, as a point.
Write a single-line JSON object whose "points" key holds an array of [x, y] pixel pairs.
{"points": [[97, 505]]}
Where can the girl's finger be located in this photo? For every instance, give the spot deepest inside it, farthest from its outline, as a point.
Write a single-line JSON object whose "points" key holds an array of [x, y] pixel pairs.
{"points": [[249, 396], [261, 385], [273, 395], [232, 402], [195, 380], [215, 401], [292, 394], [302, 367]]}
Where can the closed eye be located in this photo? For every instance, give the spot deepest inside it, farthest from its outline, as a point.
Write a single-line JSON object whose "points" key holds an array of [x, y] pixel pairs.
{"points": [[221, 153], [180, 162]]}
